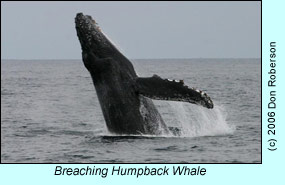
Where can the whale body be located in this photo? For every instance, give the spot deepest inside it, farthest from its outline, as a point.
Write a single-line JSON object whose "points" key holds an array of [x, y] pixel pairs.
{"points": [[125, 98]]}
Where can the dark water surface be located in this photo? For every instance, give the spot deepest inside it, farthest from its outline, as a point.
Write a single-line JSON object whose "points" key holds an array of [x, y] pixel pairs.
{"points": [[50, 114]]}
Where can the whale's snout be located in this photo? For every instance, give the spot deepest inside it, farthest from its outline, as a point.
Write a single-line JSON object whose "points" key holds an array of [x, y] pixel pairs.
{"points": [[88, 31], [91, 37]]}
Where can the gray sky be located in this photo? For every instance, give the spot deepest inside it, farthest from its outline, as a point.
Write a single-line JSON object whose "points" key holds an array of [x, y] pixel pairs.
{"points": [[46, 30]]}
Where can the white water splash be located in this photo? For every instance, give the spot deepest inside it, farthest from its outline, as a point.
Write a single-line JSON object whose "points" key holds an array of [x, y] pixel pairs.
{"points": [[191, 120], [196, 121]]}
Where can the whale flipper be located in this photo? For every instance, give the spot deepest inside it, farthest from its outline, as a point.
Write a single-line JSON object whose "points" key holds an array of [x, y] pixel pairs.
{"points": [[175, 90]]}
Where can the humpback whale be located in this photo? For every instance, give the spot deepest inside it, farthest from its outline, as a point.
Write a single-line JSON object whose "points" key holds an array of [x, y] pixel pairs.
{"points": [[125, 98]]}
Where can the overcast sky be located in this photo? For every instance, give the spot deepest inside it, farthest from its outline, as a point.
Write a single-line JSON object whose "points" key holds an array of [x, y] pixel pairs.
{"points": [[46, 30]]}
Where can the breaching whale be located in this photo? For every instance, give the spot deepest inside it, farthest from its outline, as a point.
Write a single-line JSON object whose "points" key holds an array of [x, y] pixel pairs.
{"points": [[124, 97]]}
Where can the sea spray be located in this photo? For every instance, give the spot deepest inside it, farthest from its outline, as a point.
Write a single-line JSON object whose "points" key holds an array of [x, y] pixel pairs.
{"points": [[193, 120]]}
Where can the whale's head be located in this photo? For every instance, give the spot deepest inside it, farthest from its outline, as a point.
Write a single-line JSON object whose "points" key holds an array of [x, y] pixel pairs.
{"points": [[96, 48], [91, 36]]}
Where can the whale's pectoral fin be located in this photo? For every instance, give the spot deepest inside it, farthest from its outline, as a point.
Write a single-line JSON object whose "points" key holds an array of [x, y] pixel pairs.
{"points": [[175, 90]]}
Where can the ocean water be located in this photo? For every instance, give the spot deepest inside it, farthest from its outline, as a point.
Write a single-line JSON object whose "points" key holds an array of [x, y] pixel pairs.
{"points": [[50, 114]]}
